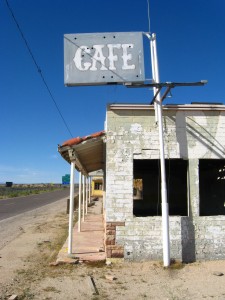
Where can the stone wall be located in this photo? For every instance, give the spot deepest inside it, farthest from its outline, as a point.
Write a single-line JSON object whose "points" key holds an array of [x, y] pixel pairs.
{"points": [[200, 239], [133, 134], [141, 238], [210, 237]]}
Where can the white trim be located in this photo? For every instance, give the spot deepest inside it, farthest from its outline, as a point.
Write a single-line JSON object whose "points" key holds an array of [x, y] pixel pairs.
{"points": [[200, 107]]}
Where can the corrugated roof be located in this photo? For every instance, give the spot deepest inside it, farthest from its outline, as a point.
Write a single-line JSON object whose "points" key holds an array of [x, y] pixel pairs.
{"points": [[89, 151]]}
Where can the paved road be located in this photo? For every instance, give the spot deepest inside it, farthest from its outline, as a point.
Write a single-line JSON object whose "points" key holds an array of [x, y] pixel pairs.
{"points": [[14, 206]]}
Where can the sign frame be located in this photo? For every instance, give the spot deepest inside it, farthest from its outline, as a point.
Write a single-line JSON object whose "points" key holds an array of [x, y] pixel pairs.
{"points": [[103, 58]]}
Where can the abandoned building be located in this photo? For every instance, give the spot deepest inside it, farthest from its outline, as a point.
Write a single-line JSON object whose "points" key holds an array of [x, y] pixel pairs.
{"points": [[128, 153]]}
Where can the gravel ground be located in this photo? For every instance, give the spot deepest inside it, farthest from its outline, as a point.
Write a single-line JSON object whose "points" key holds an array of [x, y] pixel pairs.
{"points": [[29, 243]]}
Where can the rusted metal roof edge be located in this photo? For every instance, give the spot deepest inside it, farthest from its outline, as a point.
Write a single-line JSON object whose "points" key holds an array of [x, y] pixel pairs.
{"points": [[65, 152], [79, 140], [62, 148]]}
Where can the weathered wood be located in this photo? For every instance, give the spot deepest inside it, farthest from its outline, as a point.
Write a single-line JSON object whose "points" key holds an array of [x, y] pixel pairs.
{"points": [[92, 285]]}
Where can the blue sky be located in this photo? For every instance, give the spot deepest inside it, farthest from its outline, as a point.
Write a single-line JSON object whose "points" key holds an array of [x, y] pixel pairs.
{"points": [[191, 47]]}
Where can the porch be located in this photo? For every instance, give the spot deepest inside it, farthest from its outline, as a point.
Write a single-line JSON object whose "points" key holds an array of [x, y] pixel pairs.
{"points": [[88, 244]]}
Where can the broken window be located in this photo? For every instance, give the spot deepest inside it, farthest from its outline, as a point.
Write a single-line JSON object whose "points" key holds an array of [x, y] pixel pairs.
{"points": [[212, 187], [148, 171]]}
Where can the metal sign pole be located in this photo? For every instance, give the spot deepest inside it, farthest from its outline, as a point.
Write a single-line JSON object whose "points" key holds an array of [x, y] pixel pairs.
{"points": [[165, 210], [154, 72]]}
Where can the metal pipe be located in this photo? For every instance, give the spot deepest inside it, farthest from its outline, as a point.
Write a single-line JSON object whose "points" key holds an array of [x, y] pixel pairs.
{"points": [[70, 238], [153, 100], [83, 181], [167, 91], [165, 217], [154, 76], [79, 205]]}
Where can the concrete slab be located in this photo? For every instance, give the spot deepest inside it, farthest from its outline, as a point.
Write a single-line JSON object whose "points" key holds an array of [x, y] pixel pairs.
{"points": [[88, 245]]}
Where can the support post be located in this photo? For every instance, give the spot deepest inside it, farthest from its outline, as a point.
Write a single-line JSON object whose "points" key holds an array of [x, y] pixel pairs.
{"points": [[71, 212], [89, 189], [165, 209], [86, 182], [83, 210], [79, 205]]}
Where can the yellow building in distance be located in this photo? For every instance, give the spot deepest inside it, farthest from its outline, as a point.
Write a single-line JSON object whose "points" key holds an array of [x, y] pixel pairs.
{"points": [[96, 183]]}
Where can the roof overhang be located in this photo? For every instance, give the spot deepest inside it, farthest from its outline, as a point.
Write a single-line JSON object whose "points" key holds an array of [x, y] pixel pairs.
{"points": [[88, 153], [173, 107]]}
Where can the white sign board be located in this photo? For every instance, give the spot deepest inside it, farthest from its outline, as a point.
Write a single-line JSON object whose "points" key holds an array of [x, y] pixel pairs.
{"points": [[103, 58]]}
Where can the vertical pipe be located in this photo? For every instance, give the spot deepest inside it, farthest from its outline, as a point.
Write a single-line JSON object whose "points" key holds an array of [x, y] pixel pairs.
{"points": [[83, 181], [86, 182], [165, 210], [79, 206], [70, 238]]}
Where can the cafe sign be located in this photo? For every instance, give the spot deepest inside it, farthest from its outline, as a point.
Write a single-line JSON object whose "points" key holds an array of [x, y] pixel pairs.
{"points": [[103, 58]]}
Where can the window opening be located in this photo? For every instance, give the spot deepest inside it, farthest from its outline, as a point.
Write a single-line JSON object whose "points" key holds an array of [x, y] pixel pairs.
{"points": [[212, 187], [98, 186], [148, 172]]}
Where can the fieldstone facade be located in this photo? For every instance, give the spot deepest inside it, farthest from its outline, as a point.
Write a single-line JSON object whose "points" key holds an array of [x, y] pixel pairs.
{"points": [[191, 133]]}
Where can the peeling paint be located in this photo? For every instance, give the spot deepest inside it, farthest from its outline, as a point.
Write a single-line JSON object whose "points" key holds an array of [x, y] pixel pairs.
{"points": [[136, 128]]}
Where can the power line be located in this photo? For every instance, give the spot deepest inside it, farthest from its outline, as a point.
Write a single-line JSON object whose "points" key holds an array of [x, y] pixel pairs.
{"points": [[38, 68]]}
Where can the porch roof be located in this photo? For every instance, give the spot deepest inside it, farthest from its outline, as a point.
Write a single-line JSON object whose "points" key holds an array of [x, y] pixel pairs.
{"points": [[88, 152]]}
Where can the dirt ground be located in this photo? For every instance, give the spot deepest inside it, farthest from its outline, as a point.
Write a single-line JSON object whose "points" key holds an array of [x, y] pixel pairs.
{"points": [[31, 241]]}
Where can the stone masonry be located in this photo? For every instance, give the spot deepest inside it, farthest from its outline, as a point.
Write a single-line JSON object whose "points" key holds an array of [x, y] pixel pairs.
{"points": [[113, 250], [191, 132]]}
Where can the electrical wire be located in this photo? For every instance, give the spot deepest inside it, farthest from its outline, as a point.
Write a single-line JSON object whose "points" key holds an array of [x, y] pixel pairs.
{"points": [[38, 68]]}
